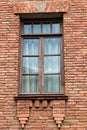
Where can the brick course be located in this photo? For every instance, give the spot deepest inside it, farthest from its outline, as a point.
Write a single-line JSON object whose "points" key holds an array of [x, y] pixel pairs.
{"points": [[12, 113]]}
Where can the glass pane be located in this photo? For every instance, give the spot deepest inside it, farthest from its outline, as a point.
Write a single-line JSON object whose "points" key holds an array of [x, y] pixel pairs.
{"points": [[27, 28], [37, 28], [52, 64], [30, 65], [46, 28], [52, 83], [30, 84], [55, 28], [52, 45], [30, 46]]}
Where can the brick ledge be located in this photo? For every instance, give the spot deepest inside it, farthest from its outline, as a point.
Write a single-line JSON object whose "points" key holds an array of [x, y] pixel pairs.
{"points": [[41, 97]]}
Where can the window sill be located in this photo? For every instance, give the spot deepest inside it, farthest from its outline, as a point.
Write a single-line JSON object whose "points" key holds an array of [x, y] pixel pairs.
{"points": [[41, 97]]}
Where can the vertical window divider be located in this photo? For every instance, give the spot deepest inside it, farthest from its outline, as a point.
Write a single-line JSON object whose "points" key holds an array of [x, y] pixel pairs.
{"points": [[32, 28], [41, 28], [40, 66], [42, 55], [51, 27]]}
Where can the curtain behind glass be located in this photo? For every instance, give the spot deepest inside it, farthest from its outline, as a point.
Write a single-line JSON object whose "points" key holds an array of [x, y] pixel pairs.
{"points": [[30, 66], [52, 64], [52, 83], [29, 84], [30, 46]]}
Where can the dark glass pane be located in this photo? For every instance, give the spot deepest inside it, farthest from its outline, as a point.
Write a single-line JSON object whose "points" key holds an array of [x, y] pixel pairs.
{"points": [[52, 83], [30, 65], [55, 28], [37, 28], [52, 64], [52, 45], [29, 84], [46, 28], [30, 46], [27, 28]]}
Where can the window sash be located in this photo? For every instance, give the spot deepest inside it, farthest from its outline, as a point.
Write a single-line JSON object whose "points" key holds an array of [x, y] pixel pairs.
{"points": [[41, 56], [41, 27]]}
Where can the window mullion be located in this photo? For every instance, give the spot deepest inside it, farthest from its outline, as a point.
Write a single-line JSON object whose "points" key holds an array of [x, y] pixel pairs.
{"points": [[42, 64], [39, 79]]}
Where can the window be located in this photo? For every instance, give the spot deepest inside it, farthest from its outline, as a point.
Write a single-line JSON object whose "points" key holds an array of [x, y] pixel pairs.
{"points": [[41, 56]]}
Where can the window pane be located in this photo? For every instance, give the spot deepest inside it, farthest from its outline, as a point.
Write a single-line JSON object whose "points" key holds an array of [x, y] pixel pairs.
{"points": [[52, 64], [46, 28], [27, 29], [30, 65], [30, 84], [52, 83], [55, 28], [37, 28], [30, 46], [52, 45]]}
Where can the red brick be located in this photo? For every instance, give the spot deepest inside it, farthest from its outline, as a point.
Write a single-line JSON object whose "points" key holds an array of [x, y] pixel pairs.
{"points": [[38, 115]]}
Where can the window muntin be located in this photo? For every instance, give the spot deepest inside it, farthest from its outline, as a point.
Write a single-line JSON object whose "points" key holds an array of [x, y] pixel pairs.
{"points": [[42, 28], [41, 57]]}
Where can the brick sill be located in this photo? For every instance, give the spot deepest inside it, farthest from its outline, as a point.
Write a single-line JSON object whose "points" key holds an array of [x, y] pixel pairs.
{"points": [[41, 97]]}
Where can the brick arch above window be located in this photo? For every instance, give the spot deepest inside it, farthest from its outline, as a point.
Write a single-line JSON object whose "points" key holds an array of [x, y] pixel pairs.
{"points": [[41, 6]]}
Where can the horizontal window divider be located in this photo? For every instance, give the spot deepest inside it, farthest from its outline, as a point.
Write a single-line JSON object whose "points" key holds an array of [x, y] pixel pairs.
{"points": [[37, 35], [30, 55], [29, 74], [52, 55], [52, 73]]}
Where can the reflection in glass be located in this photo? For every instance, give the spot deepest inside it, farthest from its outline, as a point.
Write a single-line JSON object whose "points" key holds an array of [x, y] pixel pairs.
{"points": [[27, 29], [52, 46], [30, 65], [30, 47], [37, 28], [52, 64], [55, 28], [46, 28], [30, 84], [52, 83]]}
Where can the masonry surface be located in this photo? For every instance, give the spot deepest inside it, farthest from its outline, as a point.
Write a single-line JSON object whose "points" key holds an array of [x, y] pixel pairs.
{"points": [[44, 115]]}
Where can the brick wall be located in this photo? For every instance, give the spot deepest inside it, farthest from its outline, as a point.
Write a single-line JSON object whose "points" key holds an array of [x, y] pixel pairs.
{"points": [[42, 115]]}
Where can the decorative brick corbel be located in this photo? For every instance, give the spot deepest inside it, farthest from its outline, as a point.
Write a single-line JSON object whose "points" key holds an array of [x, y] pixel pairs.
{"points": [[23, 112], [58, 111], [25, 106], [23, 109]]}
